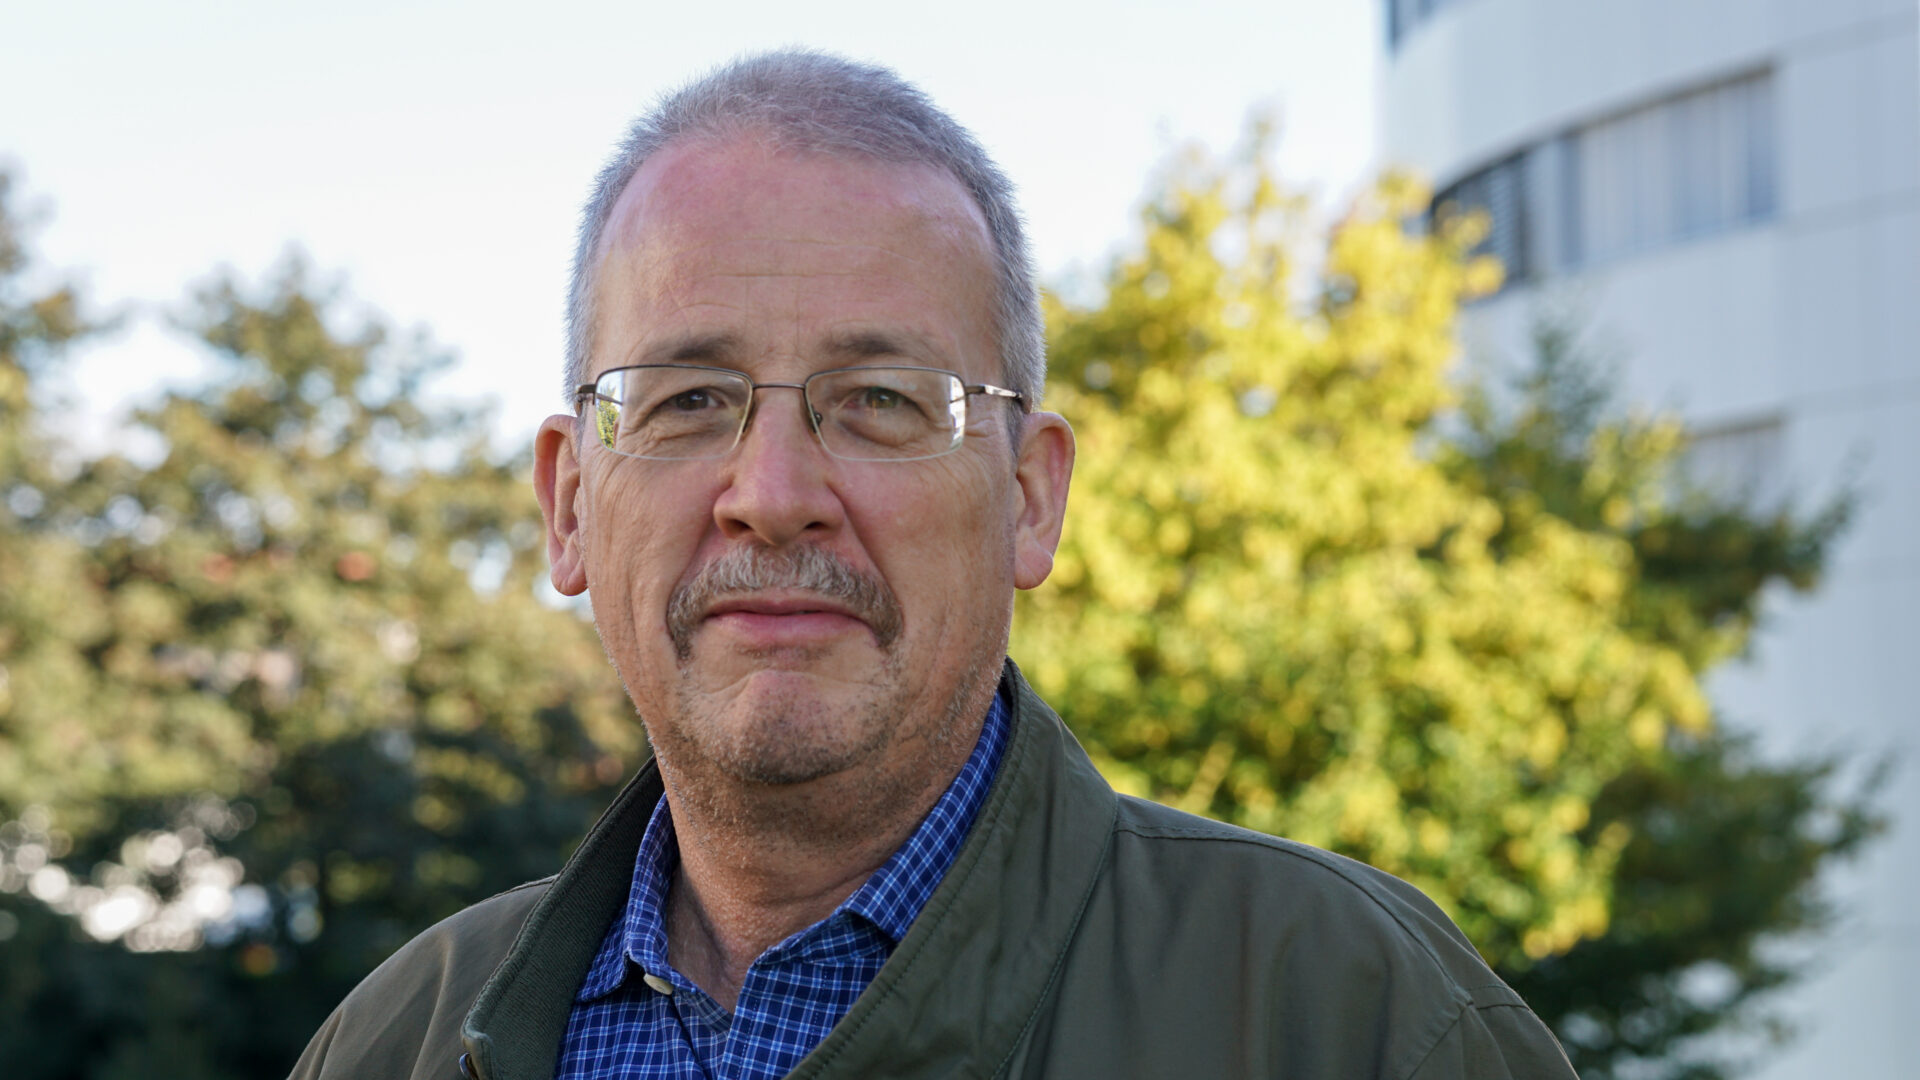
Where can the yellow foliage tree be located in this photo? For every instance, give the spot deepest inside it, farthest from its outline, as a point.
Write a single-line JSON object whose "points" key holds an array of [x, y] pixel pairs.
{"points": [[1273, 606]]}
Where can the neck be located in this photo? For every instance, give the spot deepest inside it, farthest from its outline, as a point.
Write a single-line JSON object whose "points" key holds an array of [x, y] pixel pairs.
{"points": [[760, 862]]}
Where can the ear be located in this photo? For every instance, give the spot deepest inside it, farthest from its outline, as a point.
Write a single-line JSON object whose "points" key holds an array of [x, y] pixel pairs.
{"points": [[556, 482], [1045, 469]]}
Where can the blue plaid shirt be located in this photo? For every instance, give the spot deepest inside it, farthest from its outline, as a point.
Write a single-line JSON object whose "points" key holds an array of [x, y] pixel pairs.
{"points": [[625, 1023]]}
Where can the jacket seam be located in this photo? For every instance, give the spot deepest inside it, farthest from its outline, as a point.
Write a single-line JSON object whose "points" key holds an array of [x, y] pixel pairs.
{"points": [[1060, 961], [1513, 999], [1458, 1016], [522, 887], [1283, 847]]}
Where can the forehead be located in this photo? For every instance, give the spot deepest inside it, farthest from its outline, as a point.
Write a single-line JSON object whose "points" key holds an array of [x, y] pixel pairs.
{"points": [[741, 239]]}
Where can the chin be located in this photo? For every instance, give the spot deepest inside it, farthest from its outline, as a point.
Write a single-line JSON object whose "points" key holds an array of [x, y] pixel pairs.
{"points": [[789, 732]]}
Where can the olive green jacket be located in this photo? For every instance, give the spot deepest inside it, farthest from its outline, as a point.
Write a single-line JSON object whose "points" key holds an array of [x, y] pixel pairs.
{"points": [[1078, 934]]}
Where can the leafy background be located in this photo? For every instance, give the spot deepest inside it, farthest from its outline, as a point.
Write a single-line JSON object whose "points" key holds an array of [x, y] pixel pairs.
{"points": [[287, 691]]}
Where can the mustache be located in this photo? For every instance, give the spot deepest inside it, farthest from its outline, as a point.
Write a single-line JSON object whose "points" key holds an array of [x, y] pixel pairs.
{"points": [[745, 570]]}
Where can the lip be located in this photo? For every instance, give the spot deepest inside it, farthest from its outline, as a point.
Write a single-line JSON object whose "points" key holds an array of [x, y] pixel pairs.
{"points": [[779, 604], [775, 620]]}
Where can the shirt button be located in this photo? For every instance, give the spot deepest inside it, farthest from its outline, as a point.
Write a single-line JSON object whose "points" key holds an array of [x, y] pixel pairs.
{"points": [[659, 984]]}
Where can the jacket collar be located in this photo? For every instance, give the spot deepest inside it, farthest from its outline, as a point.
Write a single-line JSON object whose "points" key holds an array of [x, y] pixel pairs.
{"points": [[963, 983]]}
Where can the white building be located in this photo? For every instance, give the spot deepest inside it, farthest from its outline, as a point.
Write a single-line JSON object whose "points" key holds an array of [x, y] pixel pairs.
{"points": [[1730, 191]]}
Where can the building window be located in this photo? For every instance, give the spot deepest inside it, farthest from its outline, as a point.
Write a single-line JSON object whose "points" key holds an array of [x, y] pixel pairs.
{"points": [[1676, 169], [1744, 462], [1685, 166], [1402, 16], [1501, 192]]}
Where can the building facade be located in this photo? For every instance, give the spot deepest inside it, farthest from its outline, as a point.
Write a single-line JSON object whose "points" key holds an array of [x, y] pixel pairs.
{"points": [[1726, 195]]}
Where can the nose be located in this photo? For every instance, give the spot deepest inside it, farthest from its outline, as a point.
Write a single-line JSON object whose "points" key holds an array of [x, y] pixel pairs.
{"points": [[778, 478]]}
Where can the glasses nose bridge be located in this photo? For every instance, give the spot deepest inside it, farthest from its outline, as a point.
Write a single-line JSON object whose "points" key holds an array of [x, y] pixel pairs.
{"points": [[753, 409]]}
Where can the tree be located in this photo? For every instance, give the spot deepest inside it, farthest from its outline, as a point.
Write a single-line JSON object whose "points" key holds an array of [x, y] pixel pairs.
{"points": [[275, 701], [1726, 847], [34, 329], [1289, 598], [1273, 605], [281, 696]]}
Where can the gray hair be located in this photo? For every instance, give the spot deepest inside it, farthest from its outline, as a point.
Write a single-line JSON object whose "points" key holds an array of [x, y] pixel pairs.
{"points": [[812, 102]]}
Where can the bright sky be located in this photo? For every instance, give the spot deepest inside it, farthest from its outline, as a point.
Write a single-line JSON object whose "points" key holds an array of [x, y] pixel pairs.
{"points": [[435, 154]]}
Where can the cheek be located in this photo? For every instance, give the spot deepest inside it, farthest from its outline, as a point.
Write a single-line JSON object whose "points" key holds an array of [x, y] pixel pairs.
{"points": [[642, 536], [943, 545]]}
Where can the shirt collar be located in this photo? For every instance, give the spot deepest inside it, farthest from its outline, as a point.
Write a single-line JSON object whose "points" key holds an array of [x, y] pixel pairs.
{"points": [[641, 933], [890, 899]]}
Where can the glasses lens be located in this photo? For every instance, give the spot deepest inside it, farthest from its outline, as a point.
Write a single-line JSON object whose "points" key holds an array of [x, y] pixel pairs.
{"points": [[670, 413], [887, 414]]}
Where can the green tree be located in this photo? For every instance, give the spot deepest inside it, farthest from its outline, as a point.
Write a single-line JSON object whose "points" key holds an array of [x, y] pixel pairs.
{"points": [[36, 325], [1274, 605], [1726, 847], [1467, 652], [276, 700]]}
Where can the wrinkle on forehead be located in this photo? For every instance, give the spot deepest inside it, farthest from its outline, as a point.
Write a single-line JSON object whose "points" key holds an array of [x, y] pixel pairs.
{"points": [[849, 346], [747, 252], [680, 180], [768, 228], [687, 197]]}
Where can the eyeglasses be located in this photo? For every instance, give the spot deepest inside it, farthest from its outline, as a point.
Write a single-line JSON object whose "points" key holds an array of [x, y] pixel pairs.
{"points": [[681, 412]]}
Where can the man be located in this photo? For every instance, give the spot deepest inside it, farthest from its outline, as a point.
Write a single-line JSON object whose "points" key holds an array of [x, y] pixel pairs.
{"points": [[803, 479]]}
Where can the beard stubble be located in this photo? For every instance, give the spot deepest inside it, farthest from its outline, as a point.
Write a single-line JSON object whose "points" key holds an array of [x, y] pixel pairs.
{"points": [[787, 740]]}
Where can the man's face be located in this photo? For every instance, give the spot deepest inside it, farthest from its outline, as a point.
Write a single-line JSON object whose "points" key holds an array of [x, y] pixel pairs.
{"points": [[779, 615]]}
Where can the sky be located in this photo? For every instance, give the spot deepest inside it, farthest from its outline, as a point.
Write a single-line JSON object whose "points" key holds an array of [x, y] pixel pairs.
{"points": [[432, 157]]}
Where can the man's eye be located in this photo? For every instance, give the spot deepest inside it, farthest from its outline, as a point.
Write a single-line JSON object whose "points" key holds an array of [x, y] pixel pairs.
{"points": [[692, 400], [880, 397]]}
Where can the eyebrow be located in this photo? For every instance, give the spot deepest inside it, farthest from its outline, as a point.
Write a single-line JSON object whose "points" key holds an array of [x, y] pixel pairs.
{"points": [[869, 344], [721, 349], [699, 348]]}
